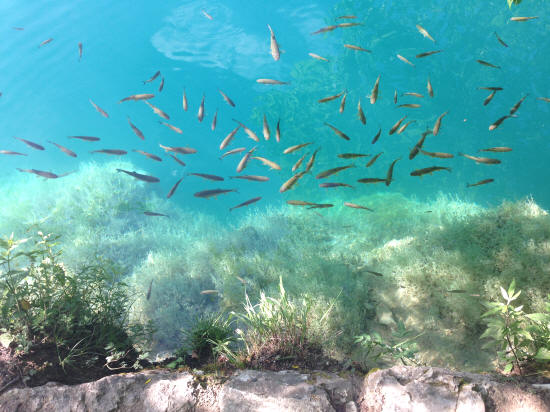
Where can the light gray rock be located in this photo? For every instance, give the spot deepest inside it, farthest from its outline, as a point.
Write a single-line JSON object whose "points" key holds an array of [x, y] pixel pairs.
{"points": [[165, 392], [423, 389]]}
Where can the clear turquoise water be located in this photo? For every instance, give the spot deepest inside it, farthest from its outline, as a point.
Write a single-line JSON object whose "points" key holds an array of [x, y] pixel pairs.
{"points": [[46, 90]]}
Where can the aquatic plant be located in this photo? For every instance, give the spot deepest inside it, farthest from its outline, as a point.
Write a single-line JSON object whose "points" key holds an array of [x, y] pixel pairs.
{"points": [[84, 312], [518, 337]]}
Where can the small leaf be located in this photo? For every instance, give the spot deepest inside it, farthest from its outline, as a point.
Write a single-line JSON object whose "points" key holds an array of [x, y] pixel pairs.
{"points": [[508, 368], [512, 288], [504, 294], [543, 354]]}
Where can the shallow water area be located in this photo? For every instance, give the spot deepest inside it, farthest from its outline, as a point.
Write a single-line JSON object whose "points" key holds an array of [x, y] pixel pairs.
{"points": [[140, 182]]}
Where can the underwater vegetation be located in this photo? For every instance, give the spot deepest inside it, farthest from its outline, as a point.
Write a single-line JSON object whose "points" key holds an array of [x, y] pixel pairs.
{"points": [[424, 267]]}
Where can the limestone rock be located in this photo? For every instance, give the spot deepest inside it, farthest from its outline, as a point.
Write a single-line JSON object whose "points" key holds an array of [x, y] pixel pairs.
{"points": [[423, 389]]}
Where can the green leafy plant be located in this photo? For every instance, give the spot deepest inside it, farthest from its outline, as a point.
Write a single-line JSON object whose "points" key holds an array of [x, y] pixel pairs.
{"points": [[401, 346], [519, 337], [83, 313]]}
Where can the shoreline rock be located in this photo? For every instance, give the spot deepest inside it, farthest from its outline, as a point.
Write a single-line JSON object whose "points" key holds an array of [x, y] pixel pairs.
{"points": [[399, 388]]}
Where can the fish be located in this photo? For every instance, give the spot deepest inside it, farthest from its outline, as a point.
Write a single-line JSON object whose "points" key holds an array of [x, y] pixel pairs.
{"points": [[68, 152], [248, 131], [18, 28], [157, 74], [351, 155], [206, 194], [430, 88], [227, 99], [205, 14], [265, 129], [429, 170], [426, 54], [99, 109], [396, 125], [523, 18], [214, 121], [45, 42], [252, 178], [85, 138], [356, 206], [490, 88], [147, 297], [9, 152], [41, 173], [272, 165], [229, 137], [180, 150], [343, 103], [79, 51], [289, 184], [424, 32], [395, 97], [136, 97], [402, 128], [413, 94], [33, 145], [333, 185], [233, 151], [333, 171], [271, 81], [500, 40], [347, 17], [173, 189], [295, 148], [278, 131], [316, 56], [136, 130], [274, 46], [336, 26], [484, 63], [410, 105], [498, 122], [360, 114], [206, 176], [298, 163], [498, 149], [481, 182], [544, 99], [114, 152], [149, 155], [374, 92], [182, 163], [517, 105], [248, 202], [484, 160], [161, 86], [245, 159], [338, 132], [403, 59], [418, 146], [328, 99], [209, 292], [200, 114], [299, 203], [172, 127], [358, 48], [389, 175], [438, 155], [372, 180], [489, 98], [376, 136], [148, 213], [311, 160], [320, 206], [184, 101], [157, 111], [371, 161], [437, 124]]}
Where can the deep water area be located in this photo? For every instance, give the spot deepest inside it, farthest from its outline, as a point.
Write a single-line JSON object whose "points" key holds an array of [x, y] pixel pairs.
{"points": [[389, 161]]}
